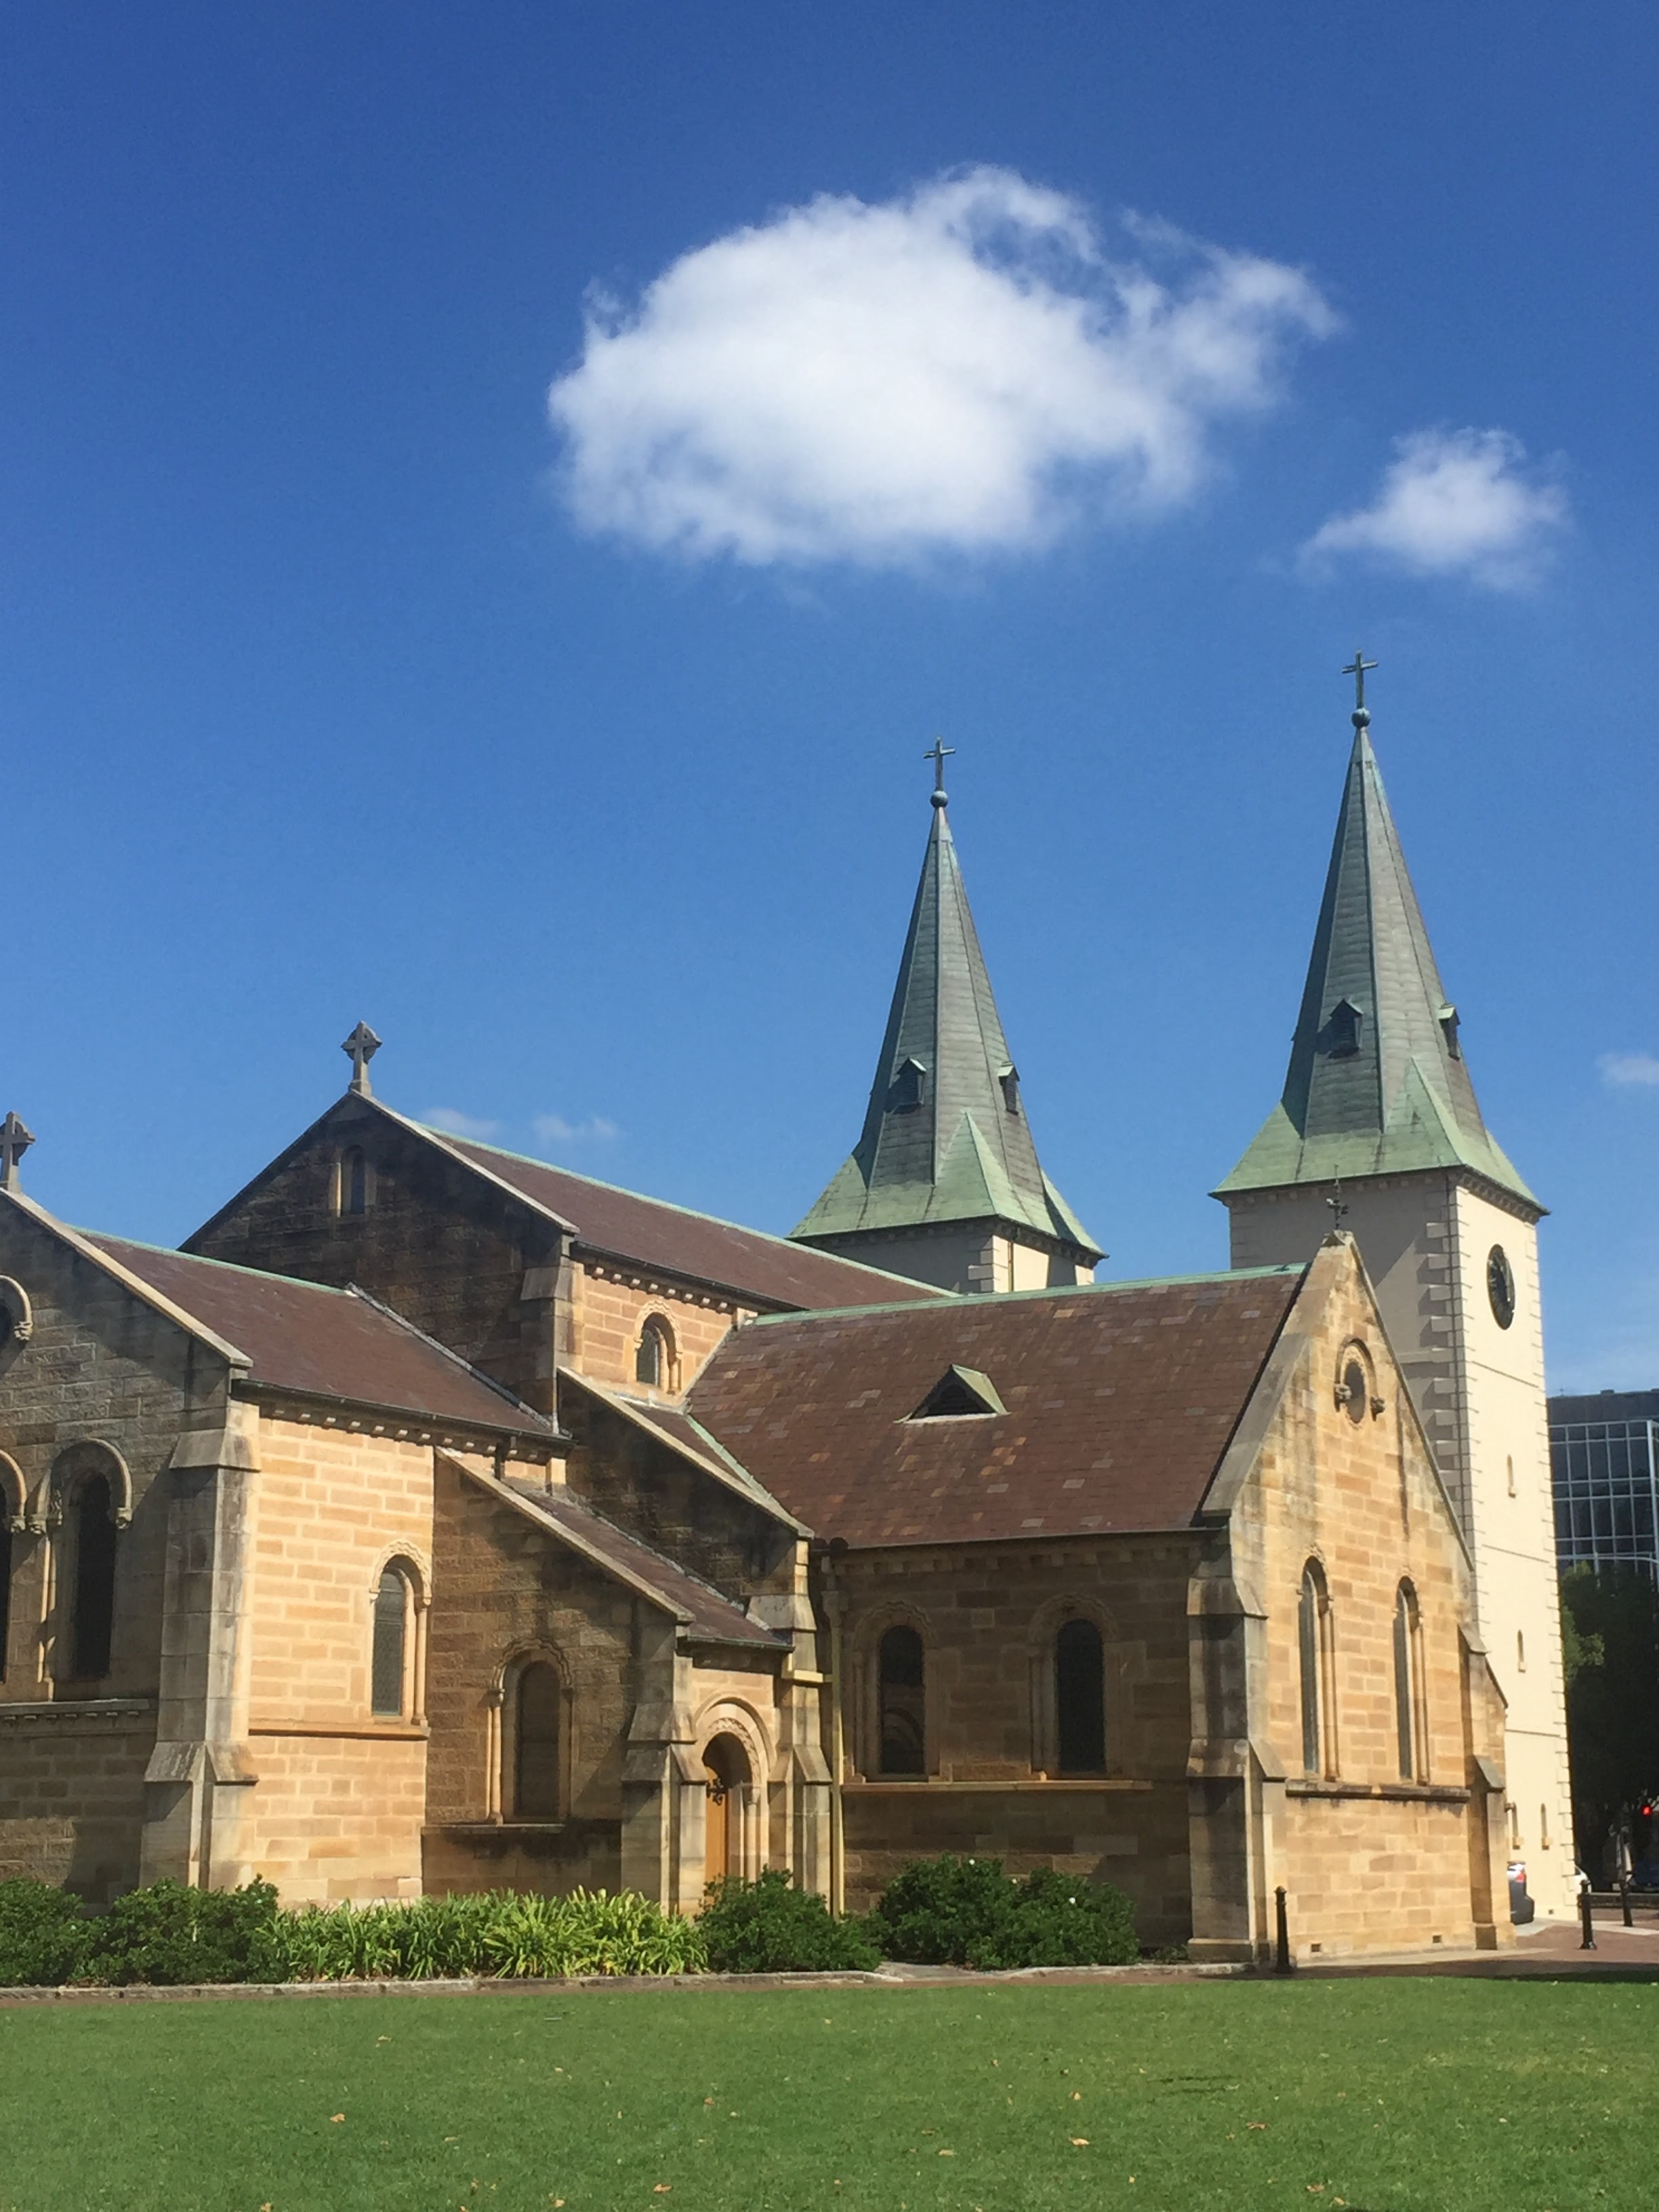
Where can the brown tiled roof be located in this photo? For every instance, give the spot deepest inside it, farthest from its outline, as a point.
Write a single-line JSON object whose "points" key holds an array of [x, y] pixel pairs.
{"points": [[766, 1270], [707, 1616], [323, 1343], [1121, 1401]]}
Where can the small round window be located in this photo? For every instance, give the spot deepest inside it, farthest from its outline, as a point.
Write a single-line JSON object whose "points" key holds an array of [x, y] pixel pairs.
{"points": [[1355, 1391], [1500, 1286]]}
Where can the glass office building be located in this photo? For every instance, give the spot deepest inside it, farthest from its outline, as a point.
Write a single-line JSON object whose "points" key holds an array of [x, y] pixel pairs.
{"points": [[1604, 1458]]}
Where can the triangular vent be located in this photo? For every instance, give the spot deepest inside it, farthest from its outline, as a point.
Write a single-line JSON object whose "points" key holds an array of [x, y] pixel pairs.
{"points": [[959, 1390]]}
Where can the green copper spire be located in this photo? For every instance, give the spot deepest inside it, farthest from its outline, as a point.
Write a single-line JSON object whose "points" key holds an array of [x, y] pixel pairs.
{"points": [[946, 1138], [1378, 1082]]}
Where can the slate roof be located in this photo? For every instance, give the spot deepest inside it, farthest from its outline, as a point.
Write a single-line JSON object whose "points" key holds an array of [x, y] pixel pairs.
{"points": [[964, 1153], [1121, 1398], [1403, 1100], [706, 1615], [651, 1234], [324, 1343]]}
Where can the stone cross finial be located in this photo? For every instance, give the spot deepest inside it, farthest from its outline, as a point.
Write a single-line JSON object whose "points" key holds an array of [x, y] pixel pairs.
{"points": [[361, 1045], [939, 752], [15, 1141], [1357, 668]]}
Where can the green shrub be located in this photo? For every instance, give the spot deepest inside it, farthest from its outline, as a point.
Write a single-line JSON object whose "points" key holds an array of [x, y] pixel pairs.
{"points": [[502, 1933], [768, 1926], [43, 1935], [168, 1934], [590, 1932], [955, 1911]]}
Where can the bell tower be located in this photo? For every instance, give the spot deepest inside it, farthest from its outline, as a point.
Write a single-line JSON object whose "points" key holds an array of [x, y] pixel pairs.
{"points": [[1378, 1126], [945, 1184]]}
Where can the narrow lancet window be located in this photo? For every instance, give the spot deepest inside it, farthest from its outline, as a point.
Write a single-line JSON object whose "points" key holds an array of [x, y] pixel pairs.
{"points": [[901, 1689], [1312, 1623], [93, 1616], [1405, 1681], [1081, 1698], [391, 1633], [652, 1356], [536, 1746], [354, 1182]]}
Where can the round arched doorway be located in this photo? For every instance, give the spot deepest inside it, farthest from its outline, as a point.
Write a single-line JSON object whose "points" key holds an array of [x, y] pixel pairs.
{"points": [[726, 1770]]}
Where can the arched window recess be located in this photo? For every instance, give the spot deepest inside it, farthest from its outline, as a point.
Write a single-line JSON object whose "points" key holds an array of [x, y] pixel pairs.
{"points": [[1079, 1662], [902, 1703], [397, 1639], [1316, 1672], [1411, 1729], [656, 1363]]}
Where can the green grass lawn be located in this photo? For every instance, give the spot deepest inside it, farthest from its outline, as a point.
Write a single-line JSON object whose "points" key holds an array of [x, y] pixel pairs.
{"points": [[1381, 2096]]}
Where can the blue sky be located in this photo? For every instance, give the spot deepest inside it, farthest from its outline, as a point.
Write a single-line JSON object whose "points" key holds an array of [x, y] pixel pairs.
{"points": [[1080, 382]]}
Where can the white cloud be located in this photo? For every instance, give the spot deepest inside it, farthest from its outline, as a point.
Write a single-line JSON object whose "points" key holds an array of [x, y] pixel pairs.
{"points": [[458, 1124], [554, 1129], [1629, 1067], [1453, 502], [965, 370]]}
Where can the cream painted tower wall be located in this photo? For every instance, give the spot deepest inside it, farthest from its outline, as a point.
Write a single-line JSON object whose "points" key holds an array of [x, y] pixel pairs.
{"points": [[1426, 1240]]}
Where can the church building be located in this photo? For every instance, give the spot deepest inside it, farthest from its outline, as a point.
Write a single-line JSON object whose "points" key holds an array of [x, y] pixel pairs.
{"points": [[436, 1519]]}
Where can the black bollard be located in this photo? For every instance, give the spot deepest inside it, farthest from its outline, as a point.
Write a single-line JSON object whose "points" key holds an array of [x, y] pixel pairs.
{"points": [[1587, 1943], [1282, 1962], [1624, 1899]]}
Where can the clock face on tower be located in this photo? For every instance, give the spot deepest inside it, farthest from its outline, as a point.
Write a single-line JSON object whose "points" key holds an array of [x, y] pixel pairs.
{"points": [[1500, 1286]]}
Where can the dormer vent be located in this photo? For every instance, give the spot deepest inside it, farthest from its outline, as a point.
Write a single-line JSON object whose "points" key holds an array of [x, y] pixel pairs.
{"points": [[959, 1390]]}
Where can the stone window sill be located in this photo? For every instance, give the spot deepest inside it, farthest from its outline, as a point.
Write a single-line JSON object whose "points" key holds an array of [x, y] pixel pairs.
{"points": [[499, 1828], [387, 1731], [893, 1786], [1422, 1793]]}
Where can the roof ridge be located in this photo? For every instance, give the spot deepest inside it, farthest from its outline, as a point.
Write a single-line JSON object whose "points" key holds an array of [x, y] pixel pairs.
{"points": [[1044, 1291], [668, 1205], [101, 1236]]}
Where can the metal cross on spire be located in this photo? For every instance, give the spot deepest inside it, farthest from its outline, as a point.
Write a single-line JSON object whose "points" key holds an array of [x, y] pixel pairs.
{"points": [[15, 1141], [361, 1045], [939, 752], [1357, 668]]}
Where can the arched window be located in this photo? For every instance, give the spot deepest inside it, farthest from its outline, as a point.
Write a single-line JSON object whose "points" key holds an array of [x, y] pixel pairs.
{"points": [[653, 1357], [5, 1588], [93, 1616], [900, 1688], [1407, 1682], [387, 1668], [536, 1743], [354, 1181], [1313, 1626], [1081, 1698]]}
